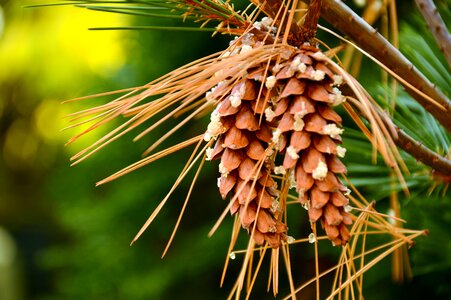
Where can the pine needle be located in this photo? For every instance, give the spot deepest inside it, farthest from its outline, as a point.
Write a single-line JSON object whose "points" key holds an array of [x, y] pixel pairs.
{"points": [[185, 203]]}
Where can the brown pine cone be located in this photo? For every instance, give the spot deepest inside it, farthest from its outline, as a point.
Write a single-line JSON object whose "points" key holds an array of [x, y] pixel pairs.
{"points": [[286, 111]]}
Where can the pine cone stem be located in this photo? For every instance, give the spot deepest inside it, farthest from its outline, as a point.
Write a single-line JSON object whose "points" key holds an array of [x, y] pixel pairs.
{"points": [[308, 29]]}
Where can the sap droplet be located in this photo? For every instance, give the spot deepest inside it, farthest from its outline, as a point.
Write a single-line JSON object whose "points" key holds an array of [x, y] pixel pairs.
{"points": [[392, 214], [311, 238], [290, 239], [347, 208], [232, 255]]}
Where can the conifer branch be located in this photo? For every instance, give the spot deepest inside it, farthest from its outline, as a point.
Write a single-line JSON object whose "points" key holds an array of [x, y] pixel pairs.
{"points": [[308, 30], [349, 23], [437, 27], [417, 149]]}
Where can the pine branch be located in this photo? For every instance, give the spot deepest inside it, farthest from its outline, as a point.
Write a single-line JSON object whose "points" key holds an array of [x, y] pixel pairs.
{"points": [[417, 149], [345, 20], [308, 30], [437, 27]]}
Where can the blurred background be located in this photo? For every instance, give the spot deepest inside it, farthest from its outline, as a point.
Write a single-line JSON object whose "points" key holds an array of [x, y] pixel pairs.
{"points": [[63, 238]]}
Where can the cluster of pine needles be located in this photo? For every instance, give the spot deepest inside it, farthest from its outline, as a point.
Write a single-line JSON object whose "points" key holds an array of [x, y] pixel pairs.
{"points": [[198, 89]]}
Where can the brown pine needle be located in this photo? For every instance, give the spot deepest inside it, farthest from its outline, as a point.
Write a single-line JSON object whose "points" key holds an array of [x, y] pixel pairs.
{"points": [[163, 202], [286, 256], [107, 118], [241, 276], [381, 138], [370, 265], [191, 107], [373, 212], [349, 266], [150, 159], [362, 261], [398, 77], [275, 270], [174, 129], [188, 196], [132, 89], [102, 142], [257, 269], [391, 244], [235, 233], [92, 111], [318, 297], [89, 120]]}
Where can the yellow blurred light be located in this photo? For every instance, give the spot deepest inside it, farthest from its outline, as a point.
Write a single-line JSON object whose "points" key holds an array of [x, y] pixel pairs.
{"points": [[58, 39], [50, 51], [49, 119], [102, 51]]}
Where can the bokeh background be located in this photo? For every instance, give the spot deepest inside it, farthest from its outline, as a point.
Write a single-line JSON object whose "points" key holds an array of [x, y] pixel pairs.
{"points": [[63, 238]]}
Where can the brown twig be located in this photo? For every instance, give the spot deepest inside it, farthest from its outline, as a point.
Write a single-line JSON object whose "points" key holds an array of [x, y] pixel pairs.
{"points": [[437, 27], [417, 149], [345, 20], [269, 7], [308, 29]]}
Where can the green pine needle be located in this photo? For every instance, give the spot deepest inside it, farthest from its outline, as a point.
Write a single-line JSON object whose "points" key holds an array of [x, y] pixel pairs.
{"points": [[167, 28]]}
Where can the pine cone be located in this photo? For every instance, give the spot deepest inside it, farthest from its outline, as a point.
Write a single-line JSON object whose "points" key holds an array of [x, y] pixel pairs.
{"points": [[286, 111], [241, 145]]}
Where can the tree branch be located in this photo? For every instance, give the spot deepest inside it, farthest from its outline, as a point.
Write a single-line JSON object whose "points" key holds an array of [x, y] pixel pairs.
{"points": [[345, 20], [437, 27], [308, 29], [417, 149]]}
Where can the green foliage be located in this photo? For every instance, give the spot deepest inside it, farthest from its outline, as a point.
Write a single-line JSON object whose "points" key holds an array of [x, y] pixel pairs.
{"points": [[428, 205]]}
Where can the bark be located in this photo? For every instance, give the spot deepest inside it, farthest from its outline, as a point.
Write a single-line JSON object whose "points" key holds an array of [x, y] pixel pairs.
{"points": [[410, 145], [437, 27], [418, 150], [308, 30]]}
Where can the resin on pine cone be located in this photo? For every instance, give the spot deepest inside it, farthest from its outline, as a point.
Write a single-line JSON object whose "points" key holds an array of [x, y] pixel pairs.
{"points": [[280, 111]]}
